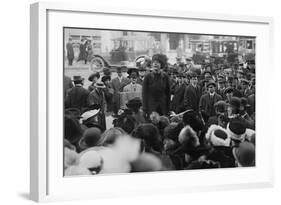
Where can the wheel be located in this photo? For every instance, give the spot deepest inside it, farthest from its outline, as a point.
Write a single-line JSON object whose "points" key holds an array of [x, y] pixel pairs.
{"points": [[96, 64]]}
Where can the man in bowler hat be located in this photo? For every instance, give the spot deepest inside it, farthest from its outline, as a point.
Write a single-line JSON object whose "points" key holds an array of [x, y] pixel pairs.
{"points": [[77, 96]]}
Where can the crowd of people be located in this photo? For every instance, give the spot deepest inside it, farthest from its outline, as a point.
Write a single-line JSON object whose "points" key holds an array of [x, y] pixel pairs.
{"points": [[85, 51], [166, 117]]}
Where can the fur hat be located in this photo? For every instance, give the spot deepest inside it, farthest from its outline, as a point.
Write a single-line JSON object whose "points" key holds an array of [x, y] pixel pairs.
{"points": [[236, 130], [163, 122], [161, 58], [146, 162], [150, 136], [188, 136], [217, 136], [245, 154], [91, 160], [171, 132], [117, 157]]}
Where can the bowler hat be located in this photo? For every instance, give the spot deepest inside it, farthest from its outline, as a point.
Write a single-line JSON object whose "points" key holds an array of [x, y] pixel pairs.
{"points": [[211, 82], [235, 102], [77, 78]]}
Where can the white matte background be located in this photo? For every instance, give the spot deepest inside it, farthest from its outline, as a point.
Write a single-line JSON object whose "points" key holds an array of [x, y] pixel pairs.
{"points": [[14, 52]]}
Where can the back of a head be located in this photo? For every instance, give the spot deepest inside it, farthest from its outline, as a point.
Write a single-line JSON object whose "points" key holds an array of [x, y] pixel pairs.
{"points": [[110, 135], [72, 129], [149, 134], [190, 118], [245, 154]]}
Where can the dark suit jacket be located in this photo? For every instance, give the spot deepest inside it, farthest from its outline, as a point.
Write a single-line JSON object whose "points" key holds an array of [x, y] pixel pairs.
{"points": [[206, 104], [77, 98], [177, 104], [156, 93], [96, 97], [192, 98]]}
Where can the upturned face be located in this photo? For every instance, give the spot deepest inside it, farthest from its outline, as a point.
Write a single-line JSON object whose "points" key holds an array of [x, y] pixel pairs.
{"points": [[156, 66], [141, 73], [134, 78]]}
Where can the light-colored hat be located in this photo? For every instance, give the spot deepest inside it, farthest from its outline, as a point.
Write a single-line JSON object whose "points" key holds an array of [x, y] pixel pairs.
{"points": [[218, 136], [88, 114], [91, 160]]}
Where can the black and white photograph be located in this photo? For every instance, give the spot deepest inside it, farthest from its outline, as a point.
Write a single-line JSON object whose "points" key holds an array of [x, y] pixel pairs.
{"points": [[146, 101]]}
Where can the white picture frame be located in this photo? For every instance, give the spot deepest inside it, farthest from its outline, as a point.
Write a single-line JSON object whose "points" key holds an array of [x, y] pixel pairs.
{"points": [[46, 176]]}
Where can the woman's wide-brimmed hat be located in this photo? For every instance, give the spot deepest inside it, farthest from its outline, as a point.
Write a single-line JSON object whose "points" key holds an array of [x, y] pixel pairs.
{"points": [[134, 102], [130, 70], [95, 74], [100, 85]]}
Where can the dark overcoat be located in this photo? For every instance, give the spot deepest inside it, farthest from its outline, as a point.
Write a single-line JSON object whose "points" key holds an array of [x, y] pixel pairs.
{"points": [[77, 97], [156, 93], [177, 103], [192, 97], [70, 51]]}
